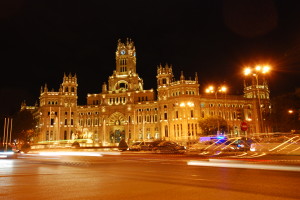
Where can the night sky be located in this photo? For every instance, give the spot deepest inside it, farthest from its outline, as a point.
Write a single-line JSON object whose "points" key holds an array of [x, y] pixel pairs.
{"points": [[41, 40]]}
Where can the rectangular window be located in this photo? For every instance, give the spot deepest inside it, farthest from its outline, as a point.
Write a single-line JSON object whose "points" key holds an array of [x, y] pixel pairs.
{"points": [[174, 129], [192, 129], [51, 135], [181, 129], [165, 116], [166, 131], [65, 135], [47, 135]]}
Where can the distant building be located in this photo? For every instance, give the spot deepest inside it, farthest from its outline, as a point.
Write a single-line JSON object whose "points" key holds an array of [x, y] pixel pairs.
{"points": [[124, 109]]}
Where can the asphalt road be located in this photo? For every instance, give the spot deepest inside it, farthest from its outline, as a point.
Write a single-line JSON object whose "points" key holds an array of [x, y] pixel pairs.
{"points": [[148, 176]]}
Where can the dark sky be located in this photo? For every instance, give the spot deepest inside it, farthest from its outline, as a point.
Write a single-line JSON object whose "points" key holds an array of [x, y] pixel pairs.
{"points": [[41, 40]]}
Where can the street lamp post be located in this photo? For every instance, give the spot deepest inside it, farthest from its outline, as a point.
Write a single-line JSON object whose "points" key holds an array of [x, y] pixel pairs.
{"points": [[221, 89], [255, 73]]}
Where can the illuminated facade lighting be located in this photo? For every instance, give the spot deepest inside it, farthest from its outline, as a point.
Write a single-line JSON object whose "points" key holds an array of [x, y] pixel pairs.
{"points": [[125, 110]]}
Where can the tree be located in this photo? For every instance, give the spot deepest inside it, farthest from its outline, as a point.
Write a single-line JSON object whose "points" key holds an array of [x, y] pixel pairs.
{"points": [[23, 126], [281, 119], [123, 145], [211, 124]]}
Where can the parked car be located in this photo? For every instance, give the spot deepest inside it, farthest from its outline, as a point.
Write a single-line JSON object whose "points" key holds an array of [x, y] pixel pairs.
{"points": [[146, 146], [154, 143], [238, 144], [169, 147], [135, 146], [141, 146], [200, 146]]}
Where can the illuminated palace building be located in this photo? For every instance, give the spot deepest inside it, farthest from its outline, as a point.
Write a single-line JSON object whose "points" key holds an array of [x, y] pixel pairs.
{"points": [[124, 109]]}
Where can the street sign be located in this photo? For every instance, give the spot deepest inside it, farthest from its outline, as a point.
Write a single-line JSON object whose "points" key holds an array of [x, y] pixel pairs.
{"points": [[244, 126]]}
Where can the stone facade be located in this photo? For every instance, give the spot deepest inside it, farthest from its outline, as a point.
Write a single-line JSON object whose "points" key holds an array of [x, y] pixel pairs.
{"points": [[124, 109]]}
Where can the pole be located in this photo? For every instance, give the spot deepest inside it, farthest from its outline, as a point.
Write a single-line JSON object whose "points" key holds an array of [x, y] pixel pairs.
{"points": [[143, 125], [138, 124], [7, 126], [226, 114], [4, 132], [10, 130], [70, 116], [134, 124], [49, 129], [259, 105], [187, 123], [217, 110], [127, 132], [104, 127]]}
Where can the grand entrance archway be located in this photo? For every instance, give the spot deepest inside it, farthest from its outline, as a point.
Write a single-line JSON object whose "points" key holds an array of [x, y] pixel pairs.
{"points": [[116, 123]]}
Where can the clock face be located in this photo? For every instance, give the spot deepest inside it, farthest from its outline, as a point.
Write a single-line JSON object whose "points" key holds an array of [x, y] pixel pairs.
{"points": [[123, 52]]}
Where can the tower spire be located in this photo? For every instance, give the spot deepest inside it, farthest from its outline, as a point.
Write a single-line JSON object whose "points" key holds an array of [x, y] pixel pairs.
{"points": [[182, 76]]}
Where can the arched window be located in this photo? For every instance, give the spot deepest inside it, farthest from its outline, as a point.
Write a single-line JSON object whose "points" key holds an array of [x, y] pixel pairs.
{"points": [[123, 85]]}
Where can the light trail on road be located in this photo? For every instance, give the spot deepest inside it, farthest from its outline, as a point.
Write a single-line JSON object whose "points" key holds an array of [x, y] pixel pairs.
{"points": [[240, 164]]}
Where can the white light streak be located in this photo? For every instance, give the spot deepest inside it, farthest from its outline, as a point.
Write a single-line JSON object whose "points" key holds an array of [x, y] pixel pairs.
{"points": [[6, 153], [69, 154], [243, 165]]}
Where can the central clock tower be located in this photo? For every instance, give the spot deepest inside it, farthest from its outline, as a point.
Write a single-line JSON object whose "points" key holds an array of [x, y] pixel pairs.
{"points": [[125, 58], [125, 78]]}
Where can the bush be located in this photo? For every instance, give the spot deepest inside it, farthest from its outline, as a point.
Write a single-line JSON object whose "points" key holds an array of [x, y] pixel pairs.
{"points": [[25, 147], [75, 145], [123, 146]]}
